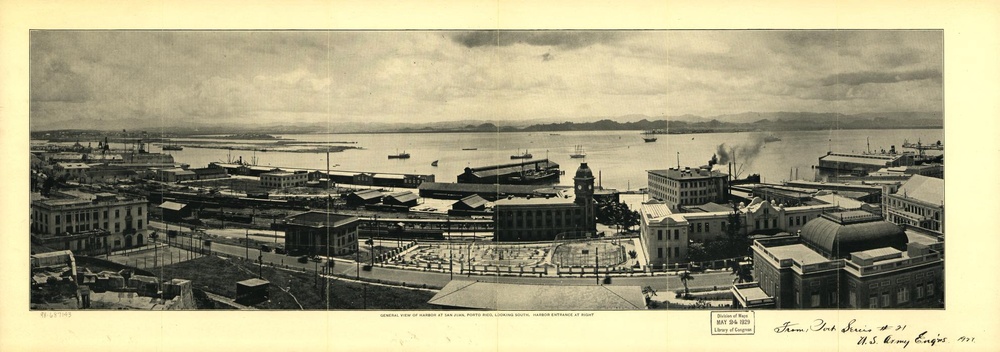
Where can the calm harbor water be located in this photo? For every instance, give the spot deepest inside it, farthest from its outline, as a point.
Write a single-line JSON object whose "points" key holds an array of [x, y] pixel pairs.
{"points": [[620, 157]]}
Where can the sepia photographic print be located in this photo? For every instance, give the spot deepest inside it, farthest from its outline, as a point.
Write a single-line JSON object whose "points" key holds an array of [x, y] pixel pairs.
{"points": [[498, 170], [506, 187]]}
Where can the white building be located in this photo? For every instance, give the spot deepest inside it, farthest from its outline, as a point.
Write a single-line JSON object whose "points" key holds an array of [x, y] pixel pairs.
{"points": [[666, 234], [687, 186], [59, 219], [919, 202], [283, 179]]}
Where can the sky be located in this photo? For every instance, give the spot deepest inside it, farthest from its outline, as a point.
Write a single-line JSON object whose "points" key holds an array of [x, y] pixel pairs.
{"points": [[185, 78]]}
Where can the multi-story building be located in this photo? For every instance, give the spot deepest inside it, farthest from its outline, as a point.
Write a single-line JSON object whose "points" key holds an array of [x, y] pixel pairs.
{"points": [[546, 218], [851, 259], [919, 202], [321, 233], [665, 234], [111, 221], [283, 179], [687, 186]]}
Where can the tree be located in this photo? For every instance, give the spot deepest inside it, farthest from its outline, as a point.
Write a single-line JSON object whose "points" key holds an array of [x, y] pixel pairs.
{"points": [[685, 277], [737, 242]]}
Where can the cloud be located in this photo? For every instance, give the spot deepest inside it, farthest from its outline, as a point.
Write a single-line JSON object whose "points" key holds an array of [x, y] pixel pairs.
{"points": [[561, 39], [55, 81], [865, 77]]}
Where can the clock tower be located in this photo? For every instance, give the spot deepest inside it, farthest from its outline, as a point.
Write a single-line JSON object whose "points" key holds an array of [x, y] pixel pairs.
{"points": [[583, 187]]}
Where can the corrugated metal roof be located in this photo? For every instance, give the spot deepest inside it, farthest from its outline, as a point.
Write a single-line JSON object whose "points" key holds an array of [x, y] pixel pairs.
{"points": [[473, 202], [403, 197]]}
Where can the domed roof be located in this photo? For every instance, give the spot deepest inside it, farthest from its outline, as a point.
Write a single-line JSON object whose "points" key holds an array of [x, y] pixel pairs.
{"points": [[838, 235], [584, 172]]}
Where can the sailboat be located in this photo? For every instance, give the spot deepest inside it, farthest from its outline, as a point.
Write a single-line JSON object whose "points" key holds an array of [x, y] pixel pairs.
{"points": [[579, 153], [648, 136]]}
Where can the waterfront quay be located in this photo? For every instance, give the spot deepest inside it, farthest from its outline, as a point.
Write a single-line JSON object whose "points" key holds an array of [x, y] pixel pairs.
{"points": [[408, 231]]}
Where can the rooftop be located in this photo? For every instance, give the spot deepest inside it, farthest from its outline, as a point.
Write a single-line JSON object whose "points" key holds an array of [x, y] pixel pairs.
{"points": [[797, 252], [474, 201], [533, 201], [500, 296], [840, 201], [923, 188], [840, 234], [687, 174], [172, 206], [320, 219]]}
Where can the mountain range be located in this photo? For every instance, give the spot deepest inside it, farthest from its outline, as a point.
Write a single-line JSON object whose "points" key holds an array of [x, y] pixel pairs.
{"points": [[748, 121]]}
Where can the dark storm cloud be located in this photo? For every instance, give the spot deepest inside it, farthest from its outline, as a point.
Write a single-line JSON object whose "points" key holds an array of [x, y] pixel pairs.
{"points": [[864, 77], [565, 40]]}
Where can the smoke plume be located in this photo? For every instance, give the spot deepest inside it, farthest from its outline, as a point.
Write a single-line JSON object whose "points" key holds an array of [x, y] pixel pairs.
{"points": [[741, 154]]}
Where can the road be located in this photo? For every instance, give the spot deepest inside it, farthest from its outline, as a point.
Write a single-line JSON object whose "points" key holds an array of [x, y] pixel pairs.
{"points": [[353, 269]]}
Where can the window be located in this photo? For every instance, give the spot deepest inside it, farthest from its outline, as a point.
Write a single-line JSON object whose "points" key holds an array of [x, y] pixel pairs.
{"points": [[139, 224], [902, 294], [706, 227], [885, 299], [930, 289], [814, 301], [699, 227], [58, 229], [833, 298], [659, 252], [790, 221], [140, 211], [873, 301], [920, 291], [677, 234], [659, 235], [57, 220], [118, 227], [756, 225], [774, 223], [853, 299], [105, 214], [117, 213], [677, 252]]}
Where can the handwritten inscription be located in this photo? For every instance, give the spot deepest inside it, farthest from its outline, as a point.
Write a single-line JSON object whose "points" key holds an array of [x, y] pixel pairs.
{"points": [[871, 335]]}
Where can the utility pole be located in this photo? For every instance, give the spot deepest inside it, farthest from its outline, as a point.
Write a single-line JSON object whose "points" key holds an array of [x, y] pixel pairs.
{"points": [[451, 263], [596, 255], [246, 244]]}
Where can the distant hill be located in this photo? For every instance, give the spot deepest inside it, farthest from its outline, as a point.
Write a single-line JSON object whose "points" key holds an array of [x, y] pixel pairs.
{"points": [[748, 121]]}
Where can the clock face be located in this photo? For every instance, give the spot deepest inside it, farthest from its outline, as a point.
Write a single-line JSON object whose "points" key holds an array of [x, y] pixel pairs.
{"points": [[579, 187], [589, 187]]}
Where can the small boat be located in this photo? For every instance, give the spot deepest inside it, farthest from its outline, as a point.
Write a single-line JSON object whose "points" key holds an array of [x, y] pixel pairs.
{"points": [[470, 148], [771, 138], [403, 155], [435, 163], [579, 153], [526, 155], [648, 136]]}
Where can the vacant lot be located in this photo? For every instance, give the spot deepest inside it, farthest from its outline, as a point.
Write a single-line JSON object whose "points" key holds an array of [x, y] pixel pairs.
{"points": [[295, 290]]}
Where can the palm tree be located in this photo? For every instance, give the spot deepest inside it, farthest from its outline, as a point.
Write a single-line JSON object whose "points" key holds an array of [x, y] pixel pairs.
{"points": [[685, 276]]}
